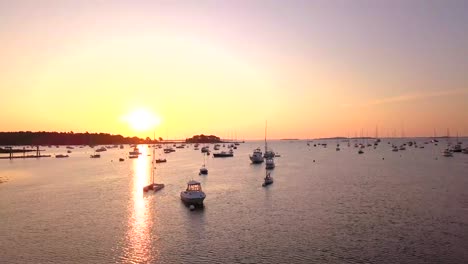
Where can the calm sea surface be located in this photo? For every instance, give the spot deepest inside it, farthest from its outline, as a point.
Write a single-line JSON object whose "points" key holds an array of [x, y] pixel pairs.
{"points": [[379, 207]]}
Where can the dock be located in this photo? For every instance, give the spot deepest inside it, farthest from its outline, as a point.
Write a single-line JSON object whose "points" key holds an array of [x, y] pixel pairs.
{"points": [[24, 156]]}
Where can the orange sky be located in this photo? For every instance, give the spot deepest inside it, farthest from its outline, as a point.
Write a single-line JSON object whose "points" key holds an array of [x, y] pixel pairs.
{"points": [[315, 69]]}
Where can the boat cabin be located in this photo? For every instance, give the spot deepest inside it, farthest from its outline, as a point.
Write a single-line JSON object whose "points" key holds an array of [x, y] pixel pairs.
{"points": [[193, 186]]}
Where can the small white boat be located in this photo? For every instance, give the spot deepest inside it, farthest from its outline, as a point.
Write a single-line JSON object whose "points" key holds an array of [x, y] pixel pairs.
{"points": [[270, 164], [193, 195]]}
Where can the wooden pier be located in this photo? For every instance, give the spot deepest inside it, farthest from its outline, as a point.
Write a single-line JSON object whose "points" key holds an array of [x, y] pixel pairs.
{"points": [[24, 156]]}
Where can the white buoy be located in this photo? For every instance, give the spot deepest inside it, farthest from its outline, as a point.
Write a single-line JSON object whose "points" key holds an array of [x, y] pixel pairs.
{"points": [[192, 207]]}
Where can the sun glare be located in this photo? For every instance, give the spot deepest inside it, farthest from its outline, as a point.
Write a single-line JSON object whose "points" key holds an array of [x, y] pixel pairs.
{"points": [[142, 120]]}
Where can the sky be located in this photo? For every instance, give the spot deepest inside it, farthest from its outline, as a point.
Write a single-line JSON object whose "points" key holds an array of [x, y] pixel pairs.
{"points": [[179, 68]]}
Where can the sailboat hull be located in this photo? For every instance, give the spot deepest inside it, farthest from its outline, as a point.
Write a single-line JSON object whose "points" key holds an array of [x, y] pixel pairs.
{"points": [[153, 187]]}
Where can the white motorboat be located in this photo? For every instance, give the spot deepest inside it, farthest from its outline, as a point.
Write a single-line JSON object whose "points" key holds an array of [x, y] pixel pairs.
{"points": [[270, 164], [257, 156], [193, 195]]}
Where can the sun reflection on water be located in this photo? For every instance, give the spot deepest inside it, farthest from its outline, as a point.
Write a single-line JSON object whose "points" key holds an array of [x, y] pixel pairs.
{"points": [[140, 222]]}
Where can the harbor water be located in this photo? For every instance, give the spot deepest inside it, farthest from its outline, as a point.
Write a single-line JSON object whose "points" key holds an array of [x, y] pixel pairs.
{"points": [[325, 206]]}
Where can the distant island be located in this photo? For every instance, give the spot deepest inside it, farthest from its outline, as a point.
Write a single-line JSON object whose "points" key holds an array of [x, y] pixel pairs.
{"points": [[67, 138], [203, 139]]}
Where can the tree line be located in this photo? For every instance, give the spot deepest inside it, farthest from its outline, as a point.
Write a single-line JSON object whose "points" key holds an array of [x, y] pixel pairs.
{"points": [[203, 139], [67, 138]]}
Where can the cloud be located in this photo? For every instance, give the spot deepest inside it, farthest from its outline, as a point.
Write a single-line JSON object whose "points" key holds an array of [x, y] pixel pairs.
{"points": [[411, 97]]}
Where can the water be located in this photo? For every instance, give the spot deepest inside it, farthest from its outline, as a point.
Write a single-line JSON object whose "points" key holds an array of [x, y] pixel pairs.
{"points": [[410, 207]]}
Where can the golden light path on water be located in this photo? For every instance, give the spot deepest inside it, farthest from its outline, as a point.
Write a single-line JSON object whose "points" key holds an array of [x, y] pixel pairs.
{"points": [[140, 221]]}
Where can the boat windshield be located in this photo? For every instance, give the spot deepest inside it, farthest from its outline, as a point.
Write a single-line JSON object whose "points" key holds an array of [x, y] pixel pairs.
{"points": [[194, 187]]}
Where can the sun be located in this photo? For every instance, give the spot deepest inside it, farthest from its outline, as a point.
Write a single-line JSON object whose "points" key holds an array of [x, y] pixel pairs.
{"points": [[142, 120]]}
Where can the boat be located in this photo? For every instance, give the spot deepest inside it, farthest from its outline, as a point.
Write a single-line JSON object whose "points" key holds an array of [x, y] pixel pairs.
{"points": [[153, 186], [69, 151], [168, 150], [133, 156], [267, 180], [447, 153], [134, 152], [395, 148], [203, 169], [269, 154], [101, 149], [161, 160], [61, 156], [465, 150], [205, 149], [360, 151], [69, 147], [95, 156], [270, 164], [193, 195], [223, 154], [457, 148], [121, 159], [257, 156], [216, 147]]}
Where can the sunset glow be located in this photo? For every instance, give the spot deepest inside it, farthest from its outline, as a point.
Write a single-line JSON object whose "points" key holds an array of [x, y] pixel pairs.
{"points": [[311, 68], [142, 120]]}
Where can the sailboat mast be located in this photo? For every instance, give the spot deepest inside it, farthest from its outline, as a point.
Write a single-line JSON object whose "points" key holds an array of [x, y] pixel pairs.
{"points": [[266, 123], [152, 167]]}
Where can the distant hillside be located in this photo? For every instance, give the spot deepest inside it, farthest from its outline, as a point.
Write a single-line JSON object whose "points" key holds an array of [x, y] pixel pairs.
{"points": [[66, 138], [203, 139]]}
